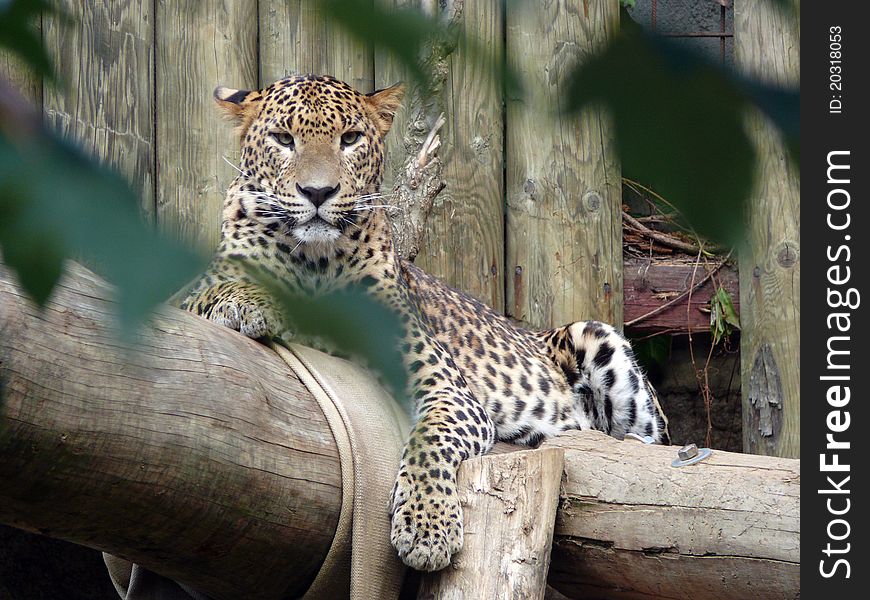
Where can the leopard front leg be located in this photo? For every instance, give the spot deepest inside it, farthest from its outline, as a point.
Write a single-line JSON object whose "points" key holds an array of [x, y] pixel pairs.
{"points": [[453, 426]]}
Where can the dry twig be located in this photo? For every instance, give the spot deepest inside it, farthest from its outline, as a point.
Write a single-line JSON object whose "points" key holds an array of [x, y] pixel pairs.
{"points": [[661, 237]]}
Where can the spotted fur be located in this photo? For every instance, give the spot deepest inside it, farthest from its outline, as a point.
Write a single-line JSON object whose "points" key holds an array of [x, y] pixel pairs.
{"points": [[304, 209]]}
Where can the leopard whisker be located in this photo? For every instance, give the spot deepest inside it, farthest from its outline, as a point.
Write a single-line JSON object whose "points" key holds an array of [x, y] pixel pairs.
{"points": [[230, 163], [374, 206]]}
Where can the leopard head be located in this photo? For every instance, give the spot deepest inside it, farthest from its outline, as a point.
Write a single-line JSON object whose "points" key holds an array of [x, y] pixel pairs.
{"points": [[312, 151]]}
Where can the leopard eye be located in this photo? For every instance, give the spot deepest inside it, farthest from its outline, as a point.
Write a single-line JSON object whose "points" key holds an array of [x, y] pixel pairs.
{"points": [[284, 138], [349, 138]]}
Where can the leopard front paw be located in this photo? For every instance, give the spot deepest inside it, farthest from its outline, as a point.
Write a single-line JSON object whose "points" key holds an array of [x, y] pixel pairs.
{"points": [[426, 523], [251, 319]]}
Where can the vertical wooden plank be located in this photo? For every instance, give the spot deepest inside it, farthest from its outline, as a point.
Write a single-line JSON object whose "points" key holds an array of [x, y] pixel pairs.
{"points": [[14, 71], [20, 77], [564, 218], [296, 36], [199, 46], [766, 45], [104, 59], [464, 242], [388, 71]]}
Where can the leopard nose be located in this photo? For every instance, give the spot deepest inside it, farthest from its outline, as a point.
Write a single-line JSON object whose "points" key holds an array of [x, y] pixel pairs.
{"points": [[317, 196]]}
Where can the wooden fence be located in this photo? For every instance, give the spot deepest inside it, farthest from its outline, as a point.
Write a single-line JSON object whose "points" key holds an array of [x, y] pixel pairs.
{"points": [[530, 221]]}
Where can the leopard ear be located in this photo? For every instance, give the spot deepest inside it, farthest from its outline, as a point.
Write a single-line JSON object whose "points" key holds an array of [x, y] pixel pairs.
{"points": [[239, 106], [384, 104]]}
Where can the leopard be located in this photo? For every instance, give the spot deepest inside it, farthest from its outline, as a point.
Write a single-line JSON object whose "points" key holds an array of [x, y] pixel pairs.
{"points": [[307, 210]]}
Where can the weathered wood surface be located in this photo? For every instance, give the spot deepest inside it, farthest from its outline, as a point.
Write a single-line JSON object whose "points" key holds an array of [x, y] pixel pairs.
{"points": [[105, 57], [197, 453], [564, 219], [199, 45], [20, 76], [464, 240], [509, 504], [389, 71], [630, 526], [766, 46], [649, 284], [297, 37]]}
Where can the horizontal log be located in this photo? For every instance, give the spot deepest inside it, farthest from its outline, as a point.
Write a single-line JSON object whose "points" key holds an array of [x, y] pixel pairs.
{"points": [[651, 283], [630, 526], [197, 453], [200, 455]]}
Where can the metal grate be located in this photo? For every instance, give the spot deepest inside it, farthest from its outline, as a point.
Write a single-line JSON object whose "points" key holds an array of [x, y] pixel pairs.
{"points": [[723, 33]]}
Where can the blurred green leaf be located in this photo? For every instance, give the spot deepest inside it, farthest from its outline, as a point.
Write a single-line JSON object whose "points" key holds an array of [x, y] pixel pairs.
{"points": [[407, 32], [403, 32], [781, 106], [349, 322], [18, 34], [56, 203], [679, 124]]}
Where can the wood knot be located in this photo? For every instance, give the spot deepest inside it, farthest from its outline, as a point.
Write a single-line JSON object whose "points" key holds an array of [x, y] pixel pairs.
{"points": [[592, 200], [530, 188], [787, 255]]}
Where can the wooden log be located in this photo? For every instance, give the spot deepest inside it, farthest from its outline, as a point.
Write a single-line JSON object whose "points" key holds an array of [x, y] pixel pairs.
{"points": [[104, 56], [770, 263], [199, 46], [464, 241], [196, 453], [297, 37], [651, 283], [564, 216], [509, 507], [630, 526]]}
